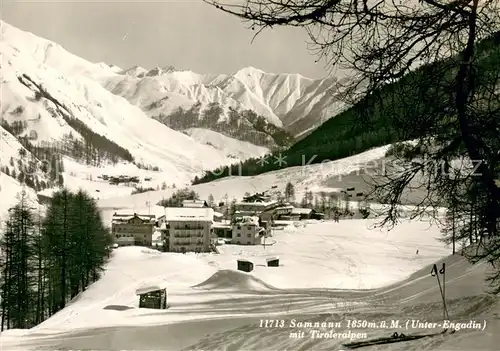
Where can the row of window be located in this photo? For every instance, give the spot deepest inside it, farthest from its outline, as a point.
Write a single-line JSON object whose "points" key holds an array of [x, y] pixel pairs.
{"points": [[136, 243], [133, 229], [183, 242], [128, 235], [187, 226], [183, 235], [248, 235], [183, 249], [249, 227]]}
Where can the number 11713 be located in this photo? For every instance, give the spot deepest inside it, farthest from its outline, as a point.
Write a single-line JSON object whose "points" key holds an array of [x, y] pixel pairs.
{"points": [[272, 323]]}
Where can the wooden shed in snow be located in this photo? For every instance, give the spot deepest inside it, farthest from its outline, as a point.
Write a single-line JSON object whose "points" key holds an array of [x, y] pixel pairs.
{"points": [[273, 261], [245, 265], [154, 296]]}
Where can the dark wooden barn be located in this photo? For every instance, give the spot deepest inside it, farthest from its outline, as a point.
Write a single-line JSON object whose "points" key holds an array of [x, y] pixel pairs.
{"points": [[317, 215], [245, 265], [273, 261]]}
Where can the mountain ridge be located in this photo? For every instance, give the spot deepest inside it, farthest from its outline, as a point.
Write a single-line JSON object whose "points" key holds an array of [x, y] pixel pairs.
{"points": [[292, 102], [54, 105]]}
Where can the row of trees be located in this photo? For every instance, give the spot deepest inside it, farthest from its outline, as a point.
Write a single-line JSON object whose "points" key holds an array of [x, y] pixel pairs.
{"points": [[48, 257], [244, 125], [331, 204], [177, 197], [95, 147]]}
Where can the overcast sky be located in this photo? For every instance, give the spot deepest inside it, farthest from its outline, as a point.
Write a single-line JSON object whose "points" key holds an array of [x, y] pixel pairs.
{"points": [[187, 34]]}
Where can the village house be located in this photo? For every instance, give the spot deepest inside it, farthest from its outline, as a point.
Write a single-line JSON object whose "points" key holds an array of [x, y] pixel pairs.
{"points": [[218, 217], [132, 229], [257, 197], [254, 208], [282, 210], [185, 229], [222, 230], [306, 213], [246, 231]]}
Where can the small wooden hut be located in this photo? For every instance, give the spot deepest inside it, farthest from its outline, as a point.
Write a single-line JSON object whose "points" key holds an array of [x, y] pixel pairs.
{"points": [[245, 265], [152, 297], [273, 261]]}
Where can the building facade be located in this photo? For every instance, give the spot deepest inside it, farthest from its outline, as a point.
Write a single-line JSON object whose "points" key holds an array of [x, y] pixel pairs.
{"points": [[133, 229], [222, 230], [254, 208], [247, 231], [187, 229]]}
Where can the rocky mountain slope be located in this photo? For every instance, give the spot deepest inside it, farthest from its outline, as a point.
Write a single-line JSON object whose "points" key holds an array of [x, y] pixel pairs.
{"points": [[53, 105], [236, 104]]}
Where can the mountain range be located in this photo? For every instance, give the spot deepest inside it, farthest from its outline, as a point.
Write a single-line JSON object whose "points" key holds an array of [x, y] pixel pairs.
{"points": [[184, 99], [53, 100], [176, 122]]}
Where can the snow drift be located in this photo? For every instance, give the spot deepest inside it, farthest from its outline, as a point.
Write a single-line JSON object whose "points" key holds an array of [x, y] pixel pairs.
{"points": [[227, 279]]}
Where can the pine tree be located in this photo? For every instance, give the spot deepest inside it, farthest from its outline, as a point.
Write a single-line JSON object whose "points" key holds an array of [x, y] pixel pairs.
{"points": [[289, 192], [56, 231], [323, 201], [210, 200], [309, 198], [40, 267]]}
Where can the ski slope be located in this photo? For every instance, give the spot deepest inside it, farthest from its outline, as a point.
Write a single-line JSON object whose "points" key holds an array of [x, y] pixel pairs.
{"points": [[10, 188], [319, 263]]}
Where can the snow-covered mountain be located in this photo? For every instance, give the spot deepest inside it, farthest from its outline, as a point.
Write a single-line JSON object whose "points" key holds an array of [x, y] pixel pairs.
{"points": [[184, 99], [52, 103]]}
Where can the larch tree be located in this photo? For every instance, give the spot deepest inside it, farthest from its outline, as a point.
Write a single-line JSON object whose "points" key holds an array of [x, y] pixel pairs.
{"points": [[17, 282]]}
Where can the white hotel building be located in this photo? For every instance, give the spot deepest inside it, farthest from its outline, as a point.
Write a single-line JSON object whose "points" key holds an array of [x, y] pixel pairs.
{"points": [[187, 229]]}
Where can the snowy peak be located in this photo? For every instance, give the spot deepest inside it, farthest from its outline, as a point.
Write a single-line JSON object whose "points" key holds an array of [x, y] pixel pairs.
{"points": [[113, 68], [169, 69], [53, 102], [43, 51], [249, 71], [289, 101], [141, 72], [135, 71]]}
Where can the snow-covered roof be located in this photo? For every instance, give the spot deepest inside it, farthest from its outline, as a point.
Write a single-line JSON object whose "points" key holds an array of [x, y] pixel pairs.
{"points": [[253, 220], [221, 225], [243, 260], [120, 218], [200, 214], [193, 203], [287, 207], [256, 204], [273, 258], [149, 288], [218, 214], [301, 210]]}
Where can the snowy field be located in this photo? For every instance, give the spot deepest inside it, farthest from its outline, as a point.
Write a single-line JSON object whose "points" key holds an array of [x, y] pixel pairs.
{"points": [[318, 261]]}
